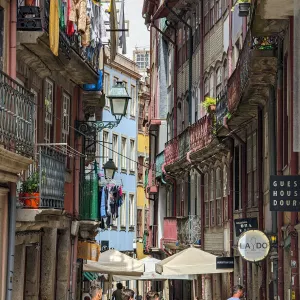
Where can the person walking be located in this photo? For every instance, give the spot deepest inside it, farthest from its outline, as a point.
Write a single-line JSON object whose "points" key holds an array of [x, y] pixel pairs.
{"points": [[156, 296], [237, 293], [117, 294], [127, 294]]}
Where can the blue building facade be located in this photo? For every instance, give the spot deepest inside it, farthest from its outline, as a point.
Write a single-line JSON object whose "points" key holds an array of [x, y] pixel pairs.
{"points": [[120, 144]]}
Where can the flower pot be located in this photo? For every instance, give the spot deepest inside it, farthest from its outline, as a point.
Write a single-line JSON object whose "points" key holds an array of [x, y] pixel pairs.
{"points": [[244, 9], [212, 108], [29, 2], [22, 197], [32, 200]]}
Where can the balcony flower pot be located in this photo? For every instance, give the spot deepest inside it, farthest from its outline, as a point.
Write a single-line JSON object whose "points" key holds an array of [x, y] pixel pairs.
{"points": [[29, 2], [32, 200], [30, 195], [209, 104], [244, 8]]}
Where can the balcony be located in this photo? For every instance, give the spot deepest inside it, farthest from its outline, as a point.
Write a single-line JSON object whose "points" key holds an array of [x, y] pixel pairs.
{"points": [[171, 151], [159, 161], [80, 63], [248, 86], [43, 187], [16, 127], [182, 231]]}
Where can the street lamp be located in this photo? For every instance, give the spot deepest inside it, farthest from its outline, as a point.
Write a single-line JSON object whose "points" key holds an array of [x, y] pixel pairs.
{"points": [[118, 98], [109, 169]]}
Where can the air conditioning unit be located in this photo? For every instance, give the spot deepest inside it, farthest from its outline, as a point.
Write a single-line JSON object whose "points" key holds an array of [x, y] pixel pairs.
{"points": [[86, 296]]}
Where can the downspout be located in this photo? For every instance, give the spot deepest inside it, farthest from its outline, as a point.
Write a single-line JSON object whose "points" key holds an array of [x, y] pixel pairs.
{"points": [[244, 203], [174, 189], [13, 188], [277, 219], [202, 57], [260, 198], [293, 171], [230, 39]]}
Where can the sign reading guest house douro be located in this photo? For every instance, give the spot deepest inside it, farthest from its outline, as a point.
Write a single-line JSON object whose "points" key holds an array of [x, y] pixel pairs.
{"points": [[284, 193]]}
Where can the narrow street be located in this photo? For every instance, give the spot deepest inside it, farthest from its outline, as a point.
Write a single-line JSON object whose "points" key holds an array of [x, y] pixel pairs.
{"points": [[149, 149]]}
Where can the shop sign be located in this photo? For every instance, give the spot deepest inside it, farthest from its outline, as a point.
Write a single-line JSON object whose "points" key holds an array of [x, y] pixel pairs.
{"points": [[225, 263], [254, 245], [242, 225], [88, 251], [285, 193]]}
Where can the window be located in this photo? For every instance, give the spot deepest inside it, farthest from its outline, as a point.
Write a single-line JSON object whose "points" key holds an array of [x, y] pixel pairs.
{"points": [[219, 196], [139, 228], [123, 212], [212, 13], [218, 8], [133, 101], [146, 219], [115, 149], [212, 199], [142, 60], [49, 110], [219, 81], [206, 203], [285, 115], [131, 210], [106, 84], [105, 146], [169, 67], [225, 72], [65, 118], [123, 153], [251, 170], [132, 155], [225, 192], [206, 16], [211, 86], [206, 87], [35, 114]]}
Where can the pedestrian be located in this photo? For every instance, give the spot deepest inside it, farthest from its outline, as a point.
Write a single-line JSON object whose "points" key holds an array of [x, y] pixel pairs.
{"points": [[127, 294], [156, 296], [117, 294], [237, 293]]}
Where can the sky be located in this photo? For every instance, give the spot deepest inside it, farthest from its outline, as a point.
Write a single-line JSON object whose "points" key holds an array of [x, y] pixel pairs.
{"points": [[139, 36]]}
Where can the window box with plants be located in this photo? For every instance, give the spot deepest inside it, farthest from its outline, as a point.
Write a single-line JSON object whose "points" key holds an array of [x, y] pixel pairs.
{"points": [[30, 195], [209, 104]]}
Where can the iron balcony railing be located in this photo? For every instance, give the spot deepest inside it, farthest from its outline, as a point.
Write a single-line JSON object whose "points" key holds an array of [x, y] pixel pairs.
{"points": [[16, 117], [43, 185]]}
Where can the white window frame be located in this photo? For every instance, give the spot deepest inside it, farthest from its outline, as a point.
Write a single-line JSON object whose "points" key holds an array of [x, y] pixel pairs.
{"points": [[106, 88], [66, 111], [115, 148], [49, 91], [132, 163], [131, 209], [123, 153], [105, 147], [123, 211], [133, 101]]}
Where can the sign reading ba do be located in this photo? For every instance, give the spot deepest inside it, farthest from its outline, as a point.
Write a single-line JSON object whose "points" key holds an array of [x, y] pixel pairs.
{"points": [[254, 245], [284, 193]]}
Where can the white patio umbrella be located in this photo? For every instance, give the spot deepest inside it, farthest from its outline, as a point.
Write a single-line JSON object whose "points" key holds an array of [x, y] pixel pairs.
{"points": [[113, 262], [189, 261], [150, 273]]}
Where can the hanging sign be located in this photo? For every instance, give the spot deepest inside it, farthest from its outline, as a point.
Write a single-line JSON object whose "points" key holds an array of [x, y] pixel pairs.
{"points": [[242, 225], [225, 263], [104, 246], [285, 193], [253, 245]]}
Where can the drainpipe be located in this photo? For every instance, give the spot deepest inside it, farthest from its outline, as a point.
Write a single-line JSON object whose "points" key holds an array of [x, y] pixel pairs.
{"points": [[202, 57], [13, 40], [230, 40], [260, 198], [174, 189], [277, 219], [293, 171], [12, 210]]}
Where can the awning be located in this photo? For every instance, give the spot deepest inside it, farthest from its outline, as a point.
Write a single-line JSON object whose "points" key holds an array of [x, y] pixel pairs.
{"points": [[90, 276], [113, 262], [190, 261], [150, 273]]}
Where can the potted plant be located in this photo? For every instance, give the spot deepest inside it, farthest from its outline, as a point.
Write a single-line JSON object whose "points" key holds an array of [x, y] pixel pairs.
{"points": [[30, 195], [209, 104]]}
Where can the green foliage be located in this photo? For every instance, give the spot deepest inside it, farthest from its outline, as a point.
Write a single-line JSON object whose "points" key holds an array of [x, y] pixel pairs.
{"points": [[32, 183], [208, 102]]}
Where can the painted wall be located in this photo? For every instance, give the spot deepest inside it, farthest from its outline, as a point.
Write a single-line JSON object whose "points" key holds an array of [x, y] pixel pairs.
{"points": [[121, 238], [143, 144]]}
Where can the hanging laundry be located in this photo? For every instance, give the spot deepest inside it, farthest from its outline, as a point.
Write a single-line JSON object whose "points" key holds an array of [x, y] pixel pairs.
{"points": [[78, 14], [122, 34], [54, 27]]}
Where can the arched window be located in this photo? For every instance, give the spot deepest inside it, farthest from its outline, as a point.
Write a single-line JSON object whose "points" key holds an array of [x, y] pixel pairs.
{"points": [[212, 198], [212, 85], [225, 72], [206, 87], [219, 80], [219, 196]]}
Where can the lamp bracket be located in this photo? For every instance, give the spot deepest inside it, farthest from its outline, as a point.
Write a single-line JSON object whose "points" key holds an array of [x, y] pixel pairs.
{"points": [[89, 127]]}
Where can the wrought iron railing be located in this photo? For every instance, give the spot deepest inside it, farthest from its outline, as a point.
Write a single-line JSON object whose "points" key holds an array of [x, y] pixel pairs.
{"points": [[52, 177], [201, 133], [171, 151], [221, 107], [189, 230], [89, 204], [16, 116], [241, 75]]}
